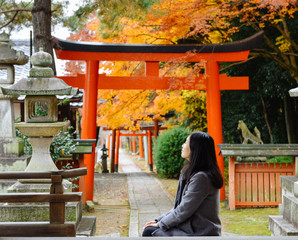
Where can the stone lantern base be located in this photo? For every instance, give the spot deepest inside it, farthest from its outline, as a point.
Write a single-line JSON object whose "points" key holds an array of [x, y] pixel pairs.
{"points": [[11, 147]]}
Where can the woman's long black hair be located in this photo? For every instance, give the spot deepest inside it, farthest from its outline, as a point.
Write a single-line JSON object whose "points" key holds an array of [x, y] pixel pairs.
{"points": [[202, 158]]}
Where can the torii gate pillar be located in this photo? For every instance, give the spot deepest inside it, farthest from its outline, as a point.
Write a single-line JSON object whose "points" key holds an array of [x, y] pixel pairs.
{"points": [[89, 119], [214, 120]]}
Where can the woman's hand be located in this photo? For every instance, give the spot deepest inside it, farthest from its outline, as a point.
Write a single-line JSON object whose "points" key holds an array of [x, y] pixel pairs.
{"points": [[150, 224]]}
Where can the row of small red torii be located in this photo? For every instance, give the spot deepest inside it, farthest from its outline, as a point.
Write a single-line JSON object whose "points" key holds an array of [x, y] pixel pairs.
{"points": [[113, 152], [213, 82]]}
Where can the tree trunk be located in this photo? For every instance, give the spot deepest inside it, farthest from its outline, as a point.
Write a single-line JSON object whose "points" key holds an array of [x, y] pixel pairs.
{"points": [[266, 119], [41, 20], [289, 119]]}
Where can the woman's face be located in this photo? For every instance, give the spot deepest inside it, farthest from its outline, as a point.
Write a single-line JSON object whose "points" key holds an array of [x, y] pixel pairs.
{"points": [[185, 153]]}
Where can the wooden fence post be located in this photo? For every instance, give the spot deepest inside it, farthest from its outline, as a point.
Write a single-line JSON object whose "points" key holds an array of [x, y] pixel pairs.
{"points": [[232, 183], [57, 209]]}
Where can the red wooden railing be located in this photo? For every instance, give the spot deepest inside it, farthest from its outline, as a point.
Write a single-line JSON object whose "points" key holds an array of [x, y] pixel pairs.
{"points": [[256, 184]]}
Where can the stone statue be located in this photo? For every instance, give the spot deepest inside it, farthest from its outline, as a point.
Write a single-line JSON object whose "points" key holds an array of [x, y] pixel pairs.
{"points": [[248, 136]]}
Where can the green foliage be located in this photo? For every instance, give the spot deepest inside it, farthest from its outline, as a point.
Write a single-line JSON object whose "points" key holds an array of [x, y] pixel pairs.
{"points": [[27, 145], [64, 102], [63, 144], [80, 16], [167, 152], [281, 159], [40, 109]]}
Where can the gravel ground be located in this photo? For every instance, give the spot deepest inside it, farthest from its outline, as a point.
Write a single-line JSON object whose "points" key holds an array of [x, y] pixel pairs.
{"points": [[111, 204]]}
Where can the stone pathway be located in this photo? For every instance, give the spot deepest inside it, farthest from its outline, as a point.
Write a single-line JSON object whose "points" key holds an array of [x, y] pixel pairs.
{"points": [[147, 197]]}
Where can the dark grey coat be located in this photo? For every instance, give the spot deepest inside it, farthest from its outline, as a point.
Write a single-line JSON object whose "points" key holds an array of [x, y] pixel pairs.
{"points": [[196, 210]]}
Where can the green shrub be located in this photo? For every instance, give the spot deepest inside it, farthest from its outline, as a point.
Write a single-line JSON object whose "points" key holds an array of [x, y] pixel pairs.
{"points": [[281, 159], [167, 152]]}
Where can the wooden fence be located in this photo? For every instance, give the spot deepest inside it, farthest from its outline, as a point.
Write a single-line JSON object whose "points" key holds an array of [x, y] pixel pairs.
{"points": [[56, 199], [257, 184]]}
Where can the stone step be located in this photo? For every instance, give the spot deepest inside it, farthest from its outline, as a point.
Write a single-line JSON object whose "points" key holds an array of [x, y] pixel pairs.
{"points": [[13, 163], [37, 212], [5, 184], [281, 227], [290, 209], [87, 226], [287, 183]]}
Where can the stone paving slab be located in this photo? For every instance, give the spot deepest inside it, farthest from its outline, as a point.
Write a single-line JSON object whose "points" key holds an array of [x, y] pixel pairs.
{"points": [[147, 197]]}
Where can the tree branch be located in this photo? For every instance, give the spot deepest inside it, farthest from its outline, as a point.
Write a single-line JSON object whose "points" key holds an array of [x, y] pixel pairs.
{"points": [[16, 10], [274, 56], [14, 16], [237, 63], [292, 59], [156, 38]]}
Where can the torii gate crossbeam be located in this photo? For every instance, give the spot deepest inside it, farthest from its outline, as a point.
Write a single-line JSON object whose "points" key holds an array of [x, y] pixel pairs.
{"points": [[214, 82]]}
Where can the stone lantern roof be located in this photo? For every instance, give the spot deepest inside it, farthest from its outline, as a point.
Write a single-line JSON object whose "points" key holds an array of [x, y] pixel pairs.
{"points": [[41, 80], [9, 55]]}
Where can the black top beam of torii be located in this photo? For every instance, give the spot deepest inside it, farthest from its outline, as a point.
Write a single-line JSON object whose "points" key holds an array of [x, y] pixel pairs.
{"points": [[249, 43]]}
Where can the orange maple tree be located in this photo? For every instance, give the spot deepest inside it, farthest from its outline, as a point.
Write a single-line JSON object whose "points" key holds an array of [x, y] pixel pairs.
{"points": [[202, 21]]}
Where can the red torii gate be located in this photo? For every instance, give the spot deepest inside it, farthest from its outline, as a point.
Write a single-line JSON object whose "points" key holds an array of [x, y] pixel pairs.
{"points": [[114, 151], [151, 54]]}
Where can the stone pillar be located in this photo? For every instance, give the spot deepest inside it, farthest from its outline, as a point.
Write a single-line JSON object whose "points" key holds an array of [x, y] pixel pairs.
{"points": [[145, 141]]}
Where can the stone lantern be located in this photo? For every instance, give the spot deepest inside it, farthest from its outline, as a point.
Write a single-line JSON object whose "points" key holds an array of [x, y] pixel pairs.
{"points": [[41, 109], [11, 147], [41, 114]]}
